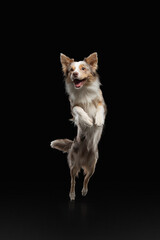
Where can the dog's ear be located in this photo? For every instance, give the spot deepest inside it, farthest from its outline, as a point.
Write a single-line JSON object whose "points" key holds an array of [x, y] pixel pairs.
{"points": [[92, 60], [65, 61]]}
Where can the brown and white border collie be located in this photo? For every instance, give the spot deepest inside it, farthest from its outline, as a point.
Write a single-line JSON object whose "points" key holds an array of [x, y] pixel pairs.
{"points": [[88, 110]]}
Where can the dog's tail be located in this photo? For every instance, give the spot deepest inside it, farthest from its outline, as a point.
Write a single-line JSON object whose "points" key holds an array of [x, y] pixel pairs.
{"points": [[62, 144]]}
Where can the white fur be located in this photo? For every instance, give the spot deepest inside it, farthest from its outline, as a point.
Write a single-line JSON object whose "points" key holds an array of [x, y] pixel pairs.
{"points": [[99, 119], [89, 120], [83, 95], [77, 68], [81, 117]]}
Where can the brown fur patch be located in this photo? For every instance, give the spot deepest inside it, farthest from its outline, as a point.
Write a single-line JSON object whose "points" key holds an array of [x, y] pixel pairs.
{"points": [[92, 60], [68, 79], [65, 61], [75, 147], [72, 68]]}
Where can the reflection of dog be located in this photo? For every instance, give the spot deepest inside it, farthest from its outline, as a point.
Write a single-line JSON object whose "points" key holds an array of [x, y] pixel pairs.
{"points": [[88, 110]]}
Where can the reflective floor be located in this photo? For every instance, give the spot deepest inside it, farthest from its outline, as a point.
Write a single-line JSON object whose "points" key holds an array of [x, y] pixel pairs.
{"points": [[42, 211]]}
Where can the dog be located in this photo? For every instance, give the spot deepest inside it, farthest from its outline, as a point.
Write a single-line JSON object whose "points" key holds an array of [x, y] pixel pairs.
{"points": [[89, 110]]}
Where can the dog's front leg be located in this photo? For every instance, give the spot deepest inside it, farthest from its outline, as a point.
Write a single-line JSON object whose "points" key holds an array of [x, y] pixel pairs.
{"points": [[81, 117], [100, 115]]}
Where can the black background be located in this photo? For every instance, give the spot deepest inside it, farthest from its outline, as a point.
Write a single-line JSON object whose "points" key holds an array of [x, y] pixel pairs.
{"points": [[123, 197]]}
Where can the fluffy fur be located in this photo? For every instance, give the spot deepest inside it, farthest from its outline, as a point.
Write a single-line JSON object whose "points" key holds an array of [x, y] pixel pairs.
{"points": [[88, 110]]}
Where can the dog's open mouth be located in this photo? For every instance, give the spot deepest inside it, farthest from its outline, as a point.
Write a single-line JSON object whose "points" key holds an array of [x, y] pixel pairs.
{"points": [[79, 83]]}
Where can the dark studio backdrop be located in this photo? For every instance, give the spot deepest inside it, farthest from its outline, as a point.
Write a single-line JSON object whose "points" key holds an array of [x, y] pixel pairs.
{"points": [[37, 111]]}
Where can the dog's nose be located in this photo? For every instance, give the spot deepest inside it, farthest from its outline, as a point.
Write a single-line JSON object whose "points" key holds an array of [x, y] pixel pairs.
{"points": [[75, 74]]}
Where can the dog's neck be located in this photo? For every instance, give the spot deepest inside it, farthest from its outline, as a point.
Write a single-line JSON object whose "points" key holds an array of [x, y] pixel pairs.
{"points": [[84, 95]]}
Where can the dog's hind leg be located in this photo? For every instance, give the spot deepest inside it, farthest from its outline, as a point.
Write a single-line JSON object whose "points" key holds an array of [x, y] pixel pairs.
{"points": [[89, 169], [73, 172], [88, 175]]}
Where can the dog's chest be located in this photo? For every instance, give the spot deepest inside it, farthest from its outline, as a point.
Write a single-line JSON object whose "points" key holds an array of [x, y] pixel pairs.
{"points": [[86, 100], [90, 109]]}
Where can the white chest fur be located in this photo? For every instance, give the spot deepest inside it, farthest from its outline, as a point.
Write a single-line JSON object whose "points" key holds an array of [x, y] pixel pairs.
{"points": [[84, 96]]}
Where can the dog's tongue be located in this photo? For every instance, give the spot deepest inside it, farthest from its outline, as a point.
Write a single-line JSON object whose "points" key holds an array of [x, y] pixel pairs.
{"points": [[77, 83]]}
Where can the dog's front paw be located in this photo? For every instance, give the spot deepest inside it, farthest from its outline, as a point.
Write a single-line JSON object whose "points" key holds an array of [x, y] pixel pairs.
{"points": [[88, 122], [99, 120]]}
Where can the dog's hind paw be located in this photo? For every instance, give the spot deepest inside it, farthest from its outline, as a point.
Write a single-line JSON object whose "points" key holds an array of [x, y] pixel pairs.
{"points": [[72, 196], [84, 192]]}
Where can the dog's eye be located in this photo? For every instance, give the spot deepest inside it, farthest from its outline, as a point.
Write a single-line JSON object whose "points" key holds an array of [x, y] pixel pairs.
{"points": [[71, 69], [83, 68]]}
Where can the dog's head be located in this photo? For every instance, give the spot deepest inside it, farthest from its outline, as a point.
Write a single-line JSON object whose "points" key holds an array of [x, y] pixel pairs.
{"points": [[79, 73]]}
